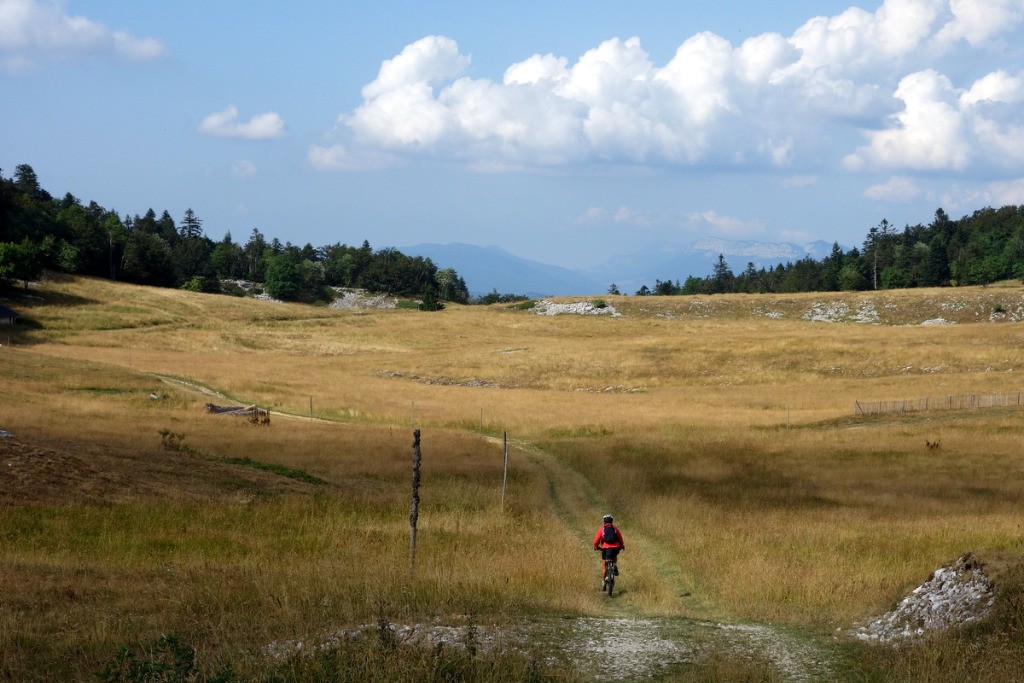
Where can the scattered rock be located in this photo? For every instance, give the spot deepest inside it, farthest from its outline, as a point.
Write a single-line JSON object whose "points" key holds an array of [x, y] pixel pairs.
{"points": [[839, 311], [360, 298], [955, 595], [545, 307]]}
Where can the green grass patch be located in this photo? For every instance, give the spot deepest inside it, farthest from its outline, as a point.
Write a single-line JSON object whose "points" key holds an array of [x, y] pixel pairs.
{"points": [[111, 390], [283, 470]]}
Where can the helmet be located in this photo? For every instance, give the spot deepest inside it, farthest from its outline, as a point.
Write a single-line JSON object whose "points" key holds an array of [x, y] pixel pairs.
{"points": [[607, 519]]}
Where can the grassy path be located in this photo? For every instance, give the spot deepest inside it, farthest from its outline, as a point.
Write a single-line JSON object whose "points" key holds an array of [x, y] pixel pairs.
{"points": [[627, 642], [649, 643]]}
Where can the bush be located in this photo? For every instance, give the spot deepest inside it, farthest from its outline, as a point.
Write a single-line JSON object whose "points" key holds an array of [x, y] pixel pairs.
{"points": [[201, 283]]}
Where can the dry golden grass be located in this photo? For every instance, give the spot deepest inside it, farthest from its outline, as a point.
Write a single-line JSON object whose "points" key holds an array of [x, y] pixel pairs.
{"points": [[723, 439]]}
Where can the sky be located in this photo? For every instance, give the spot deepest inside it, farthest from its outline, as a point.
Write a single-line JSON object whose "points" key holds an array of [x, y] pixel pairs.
{"points": [[565, 132]]}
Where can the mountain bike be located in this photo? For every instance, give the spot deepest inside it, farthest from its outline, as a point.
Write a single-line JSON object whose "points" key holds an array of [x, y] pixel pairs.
{"points": [[610, 570]]}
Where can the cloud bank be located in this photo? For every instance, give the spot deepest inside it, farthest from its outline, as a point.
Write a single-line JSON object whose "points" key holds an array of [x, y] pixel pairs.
{"points": [[863, 91], [32, 31]]}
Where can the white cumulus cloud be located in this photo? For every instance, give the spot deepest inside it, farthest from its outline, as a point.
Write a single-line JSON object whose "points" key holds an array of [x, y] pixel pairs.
{"points": [[873, 88], [226, 124], [942, 127], [34, 30], [977, 21], [896, 189], [928, 134]]}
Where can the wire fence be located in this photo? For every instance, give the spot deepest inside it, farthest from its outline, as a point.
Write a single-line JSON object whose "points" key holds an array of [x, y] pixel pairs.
{"points": [[963, 402]]}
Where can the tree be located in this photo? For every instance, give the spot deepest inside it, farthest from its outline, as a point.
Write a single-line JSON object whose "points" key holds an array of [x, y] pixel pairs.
{"points": [[850, 278], [191, 227], [721, 276], [429, 300], [117, 238], [665, 288], [147, 260], [22, 261], [284, 276], [27, 183], [89, 238], [451, 287], [256, 256], [877, 249], [613, 289], [227, 259], [832, 265]]}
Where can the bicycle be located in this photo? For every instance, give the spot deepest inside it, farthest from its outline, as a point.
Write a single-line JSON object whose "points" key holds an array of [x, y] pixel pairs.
{"points": [[610, 570]]}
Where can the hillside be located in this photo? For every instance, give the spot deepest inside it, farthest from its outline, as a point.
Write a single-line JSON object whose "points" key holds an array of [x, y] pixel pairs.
{"points": [[139, 528]]}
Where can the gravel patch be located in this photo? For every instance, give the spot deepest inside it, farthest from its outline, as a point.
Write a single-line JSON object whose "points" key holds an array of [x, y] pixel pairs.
{"points": [[616, 649], [625, 648]]}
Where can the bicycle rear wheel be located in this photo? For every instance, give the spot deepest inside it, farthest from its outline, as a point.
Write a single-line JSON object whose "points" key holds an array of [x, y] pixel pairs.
{"points": [[610, 579]]}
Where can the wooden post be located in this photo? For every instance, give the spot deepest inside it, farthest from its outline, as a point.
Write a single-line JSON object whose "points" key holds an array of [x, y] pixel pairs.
{"points": [[414, 512], [311, 407], [504, 477]]}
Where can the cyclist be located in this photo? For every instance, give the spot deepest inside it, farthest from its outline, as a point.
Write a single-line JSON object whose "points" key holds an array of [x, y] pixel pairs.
{"points": [[609, 541]]}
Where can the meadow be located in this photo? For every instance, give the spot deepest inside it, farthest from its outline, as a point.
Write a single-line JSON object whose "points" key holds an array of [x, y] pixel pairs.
{"points": [[142, 535]]}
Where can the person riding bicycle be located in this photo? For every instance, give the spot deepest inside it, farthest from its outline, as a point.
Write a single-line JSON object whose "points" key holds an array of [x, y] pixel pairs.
{"points": [[610, 542]]}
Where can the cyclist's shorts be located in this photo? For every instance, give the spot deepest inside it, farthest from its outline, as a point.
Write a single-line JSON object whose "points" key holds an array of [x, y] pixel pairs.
{"points": [[610, 553]]}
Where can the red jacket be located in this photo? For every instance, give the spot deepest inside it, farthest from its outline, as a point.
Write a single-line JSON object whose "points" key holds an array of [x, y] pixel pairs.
{"points": [[599, 542]]}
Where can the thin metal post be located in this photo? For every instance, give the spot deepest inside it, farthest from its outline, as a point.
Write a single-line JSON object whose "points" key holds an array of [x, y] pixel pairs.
{"points": [[504, 476]]}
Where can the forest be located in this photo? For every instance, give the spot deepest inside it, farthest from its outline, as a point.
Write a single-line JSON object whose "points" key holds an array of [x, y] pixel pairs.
{"points": [[39, 231], [984, 247]]}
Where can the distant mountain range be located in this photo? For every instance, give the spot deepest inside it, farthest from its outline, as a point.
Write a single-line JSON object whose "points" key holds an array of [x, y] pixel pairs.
{"points": [[486, 269]]}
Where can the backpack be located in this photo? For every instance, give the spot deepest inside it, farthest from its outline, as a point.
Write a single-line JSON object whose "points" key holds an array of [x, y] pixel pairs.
{"points": [[611, 537]]}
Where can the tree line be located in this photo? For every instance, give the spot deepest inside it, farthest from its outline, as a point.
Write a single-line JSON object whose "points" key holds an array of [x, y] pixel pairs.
{"points": [[38, 231], [978, 249]]}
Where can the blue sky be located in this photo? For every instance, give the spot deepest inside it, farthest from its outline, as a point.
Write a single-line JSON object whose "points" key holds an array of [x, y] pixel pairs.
{"points": [[564, 132]]}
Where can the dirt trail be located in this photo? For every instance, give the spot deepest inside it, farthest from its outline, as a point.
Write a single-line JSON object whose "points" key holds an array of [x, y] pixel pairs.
{"points": [[629, 644], [211, 393]]}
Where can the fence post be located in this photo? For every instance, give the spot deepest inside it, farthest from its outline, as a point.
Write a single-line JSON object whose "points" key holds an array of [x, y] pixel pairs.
{"points": [[414, 512]]}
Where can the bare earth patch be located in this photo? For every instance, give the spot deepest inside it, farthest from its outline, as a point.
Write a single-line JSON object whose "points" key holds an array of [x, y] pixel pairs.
{"points": [[55, 472]]}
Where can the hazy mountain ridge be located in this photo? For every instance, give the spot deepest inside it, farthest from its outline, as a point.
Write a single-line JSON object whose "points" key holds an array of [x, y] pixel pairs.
{"points": [[491, 268]]}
